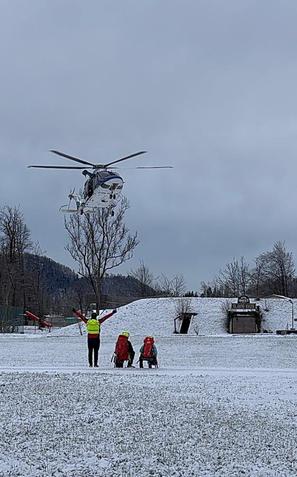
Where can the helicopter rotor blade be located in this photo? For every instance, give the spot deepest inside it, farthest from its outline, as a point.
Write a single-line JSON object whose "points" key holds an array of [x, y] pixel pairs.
{"points": [[90, 165], [141, 167], [61, 167], [154, 167], [122, 159], [72, 158]]}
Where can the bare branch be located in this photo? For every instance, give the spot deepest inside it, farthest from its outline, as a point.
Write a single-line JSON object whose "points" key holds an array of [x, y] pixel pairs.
{"points": [[99, 242]]}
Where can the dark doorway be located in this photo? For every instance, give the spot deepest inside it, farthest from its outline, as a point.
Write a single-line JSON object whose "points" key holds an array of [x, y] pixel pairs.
{"points": [[182, 323], [185, 325], [244, 324]]}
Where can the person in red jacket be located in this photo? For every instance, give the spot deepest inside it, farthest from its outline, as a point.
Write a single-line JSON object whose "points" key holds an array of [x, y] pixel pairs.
{"points": [[123, 351], [93, 325], [148, 352]]}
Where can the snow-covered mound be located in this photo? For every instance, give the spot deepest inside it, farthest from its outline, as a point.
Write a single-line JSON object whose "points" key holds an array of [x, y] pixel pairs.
{"points": [[155, 316]]}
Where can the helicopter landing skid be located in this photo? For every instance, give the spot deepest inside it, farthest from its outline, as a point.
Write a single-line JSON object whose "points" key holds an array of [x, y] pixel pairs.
{"points": [[81, 208], [74, 201], [66, 210]]}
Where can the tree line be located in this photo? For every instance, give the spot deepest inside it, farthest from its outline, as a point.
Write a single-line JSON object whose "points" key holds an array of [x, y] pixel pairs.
{"points": [[22, 264], [99, 243], [15, 241], [272, 272]]}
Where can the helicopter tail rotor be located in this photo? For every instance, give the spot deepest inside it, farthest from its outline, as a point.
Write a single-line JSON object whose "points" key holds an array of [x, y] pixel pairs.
{"points": [[72, 195]]}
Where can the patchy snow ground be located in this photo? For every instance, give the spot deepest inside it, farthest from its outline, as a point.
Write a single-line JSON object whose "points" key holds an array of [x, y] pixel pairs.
{"points": [[218, 406]]}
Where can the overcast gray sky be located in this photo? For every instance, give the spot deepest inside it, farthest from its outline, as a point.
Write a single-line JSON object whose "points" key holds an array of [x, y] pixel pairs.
{"points": [[206, 86]]}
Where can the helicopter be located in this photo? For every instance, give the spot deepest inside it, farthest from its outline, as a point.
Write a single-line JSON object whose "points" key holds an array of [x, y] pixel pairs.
{"points": [[102, 188]]}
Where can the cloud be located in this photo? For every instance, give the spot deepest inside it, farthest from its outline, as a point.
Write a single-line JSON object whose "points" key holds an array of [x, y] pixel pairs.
{"points": [[208, 87]]}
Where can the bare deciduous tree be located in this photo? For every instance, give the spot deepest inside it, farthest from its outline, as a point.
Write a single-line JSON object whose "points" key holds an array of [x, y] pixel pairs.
{"points": [[214, 288], [99, 242], [178, 285], [235, 278], [170, 286], [257, 277], [14, 242], [145, 278], [163, 285], [183, 305], [275, 270]]}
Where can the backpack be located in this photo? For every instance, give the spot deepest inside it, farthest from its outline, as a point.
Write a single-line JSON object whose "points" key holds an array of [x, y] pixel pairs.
{"points": [[122, 348], [148, 347]]}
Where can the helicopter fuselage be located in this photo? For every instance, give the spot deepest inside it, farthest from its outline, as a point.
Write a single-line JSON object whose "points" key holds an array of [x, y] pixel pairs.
{"points": [[102, 189]]}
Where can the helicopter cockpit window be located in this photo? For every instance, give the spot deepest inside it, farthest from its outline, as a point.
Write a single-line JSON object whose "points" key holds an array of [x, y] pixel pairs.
{"points": [[105, 185]]}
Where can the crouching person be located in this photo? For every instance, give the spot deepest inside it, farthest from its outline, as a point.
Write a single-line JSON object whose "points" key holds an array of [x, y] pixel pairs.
{"points": [[123, 351], [148, 352]]}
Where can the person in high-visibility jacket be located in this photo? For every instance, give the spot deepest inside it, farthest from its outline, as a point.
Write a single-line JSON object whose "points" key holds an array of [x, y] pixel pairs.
{"points": [[93, 325]]}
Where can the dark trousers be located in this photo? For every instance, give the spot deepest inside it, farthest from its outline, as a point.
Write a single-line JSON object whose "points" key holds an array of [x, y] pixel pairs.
{"points": [[120, 364], [151, 361], [93, 347]]}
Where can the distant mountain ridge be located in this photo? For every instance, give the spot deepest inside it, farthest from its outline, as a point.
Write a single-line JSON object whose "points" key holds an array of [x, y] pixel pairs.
{"points": [[54, 276], [59, 279]]}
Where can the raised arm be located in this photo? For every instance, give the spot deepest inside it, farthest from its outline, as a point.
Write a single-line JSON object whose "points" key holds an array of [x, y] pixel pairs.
{"points": [[79, 315], [105, 317]]}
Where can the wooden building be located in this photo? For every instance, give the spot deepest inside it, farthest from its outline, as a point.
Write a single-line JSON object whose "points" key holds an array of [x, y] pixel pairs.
{"points": [[244, 317]]}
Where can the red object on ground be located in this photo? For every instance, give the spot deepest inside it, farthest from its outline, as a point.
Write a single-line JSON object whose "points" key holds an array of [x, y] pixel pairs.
{"points": [[122, 348], [38, 320]]}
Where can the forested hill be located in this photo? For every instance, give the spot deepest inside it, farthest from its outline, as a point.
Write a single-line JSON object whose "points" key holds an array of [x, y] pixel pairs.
{"points": [[56, 279], [52, 276]]}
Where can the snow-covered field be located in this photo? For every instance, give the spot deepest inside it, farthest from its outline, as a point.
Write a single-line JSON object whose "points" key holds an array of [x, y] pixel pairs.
{"points": [[217, 406]]}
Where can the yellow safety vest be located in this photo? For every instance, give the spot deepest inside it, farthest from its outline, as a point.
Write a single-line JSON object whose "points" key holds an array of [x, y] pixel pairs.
{"points": [[93, 326]]}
